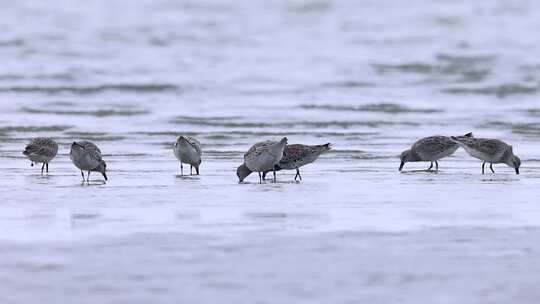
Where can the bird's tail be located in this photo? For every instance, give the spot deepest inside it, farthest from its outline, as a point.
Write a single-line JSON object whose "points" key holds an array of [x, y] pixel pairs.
{"points": [[325, 147], [461, 138]]}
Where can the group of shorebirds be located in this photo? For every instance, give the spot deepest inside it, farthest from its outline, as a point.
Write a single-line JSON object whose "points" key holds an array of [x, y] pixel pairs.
{"points": [[267, 156], [434, 148]]}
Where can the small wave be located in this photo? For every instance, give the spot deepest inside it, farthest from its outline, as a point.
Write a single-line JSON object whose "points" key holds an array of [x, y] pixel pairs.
{"points": [[97, 113], [518, 128], [12, 42], [138, 88], [379, 107], [465, 68], [500, 91], [57, 128], [59, 76], [347, 84], [420, 68], [290, 125], [466, 60], [97, 136]]}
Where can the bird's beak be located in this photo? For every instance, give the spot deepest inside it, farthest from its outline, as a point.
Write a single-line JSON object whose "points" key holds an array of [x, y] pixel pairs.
{"points": [[517, 171], [401, 165], [104, 175]]}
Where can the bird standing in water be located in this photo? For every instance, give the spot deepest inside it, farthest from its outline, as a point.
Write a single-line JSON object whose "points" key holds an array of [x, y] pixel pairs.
{"points": [[41, 150]]}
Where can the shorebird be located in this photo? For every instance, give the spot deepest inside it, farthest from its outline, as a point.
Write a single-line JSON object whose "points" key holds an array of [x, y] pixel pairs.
{"points": [[298, 155], [492, 151], [262, 157], [430, 149], [87, 157], [41, 150], [188, 150]]}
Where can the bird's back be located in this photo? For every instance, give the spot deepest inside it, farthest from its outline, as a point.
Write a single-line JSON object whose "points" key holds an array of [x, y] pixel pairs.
{"points": [[434, 147]]}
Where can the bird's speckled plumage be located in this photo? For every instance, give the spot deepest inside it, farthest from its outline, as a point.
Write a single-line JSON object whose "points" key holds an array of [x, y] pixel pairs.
{"points": [[188, 150], [298, 155], [86, 156], [430, 149], [492, 151], [41, 150]]}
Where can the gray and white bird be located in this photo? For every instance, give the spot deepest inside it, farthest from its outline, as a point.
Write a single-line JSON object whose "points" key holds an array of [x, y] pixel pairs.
{"points": [[188, 150], [86, 156], [492, 151], [431, 149], [41, 150], [262, 157], [298, 155]]}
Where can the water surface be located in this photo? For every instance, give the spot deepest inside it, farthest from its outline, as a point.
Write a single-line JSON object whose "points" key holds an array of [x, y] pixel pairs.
{"points": [[370, 77]]}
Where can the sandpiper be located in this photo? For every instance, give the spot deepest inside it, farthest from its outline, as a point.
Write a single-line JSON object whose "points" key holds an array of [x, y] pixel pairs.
{"points": [[188, 150], [492, 151], [430, 149], [298, 155], [87, 157], [41, 150], [262, 157]]}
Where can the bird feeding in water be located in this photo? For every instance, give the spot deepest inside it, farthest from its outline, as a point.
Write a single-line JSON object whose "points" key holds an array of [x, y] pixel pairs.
{"points": [[262, 157], [188, 150], [492, 151], [430, 149], [87, 157], [41, 150]]}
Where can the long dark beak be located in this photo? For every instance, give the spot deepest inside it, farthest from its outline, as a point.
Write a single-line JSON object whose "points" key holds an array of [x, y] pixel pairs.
{"points": [[104, 175], [517, 171], [77, 144], [401, 166]]}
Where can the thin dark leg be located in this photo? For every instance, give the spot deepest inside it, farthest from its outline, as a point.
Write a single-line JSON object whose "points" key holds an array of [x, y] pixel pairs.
{"points": [[274, 174], [190, 170], [483, 164], [181, 169], [298, 174], [88, 178], [42, 167], [47, 167], [436, 166], [82, 174], [260, 178], [197, 170], [430, 166], [491, 167], [264, 175]]}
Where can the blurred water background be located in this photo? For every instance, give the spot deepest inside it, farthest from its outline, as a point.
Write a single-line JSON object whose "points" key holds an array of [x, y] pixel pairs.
{"points": [[369, 76]]}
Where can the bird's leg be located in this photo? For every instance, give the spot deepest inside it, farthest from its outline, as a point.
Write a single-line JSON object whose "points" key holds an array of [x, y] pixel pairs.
{"points": [[260, 178], [274, 174], [430, 166], [298, 174], [88, 177], [197, 170], [491, 167], [42, 167], [264, 175], [181, 169], [82, 174], [190, 170], [436, 166], [47, 167], [483, 164]]}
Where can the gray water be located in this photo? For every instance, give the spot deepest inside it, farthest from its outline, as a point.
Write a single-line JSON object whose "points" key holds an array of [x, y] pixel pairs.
{"points": [[370, 77]]}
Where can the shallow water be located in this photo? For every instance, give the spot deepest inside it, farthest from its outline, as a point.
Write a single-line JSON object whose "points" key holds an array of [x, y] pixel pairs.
{"points": [[370, 77]]}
